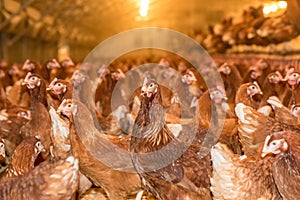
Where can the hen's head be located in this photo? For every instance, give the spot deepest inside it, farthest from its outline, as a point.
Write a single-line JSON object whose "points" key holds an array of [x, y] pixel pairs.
{"points": [[262, 64], [57, 86], [225, 69], [117, 75], [66, 107], [274, 145], [52, 64], [30, 65], [20, 112], [275, 77], [32, 81], [77, 78], [255, 73], [253, 89], [218, 95], [67, 63], [292, 77], [14, 70], [2, 148], [189, 77], [149, 88]]}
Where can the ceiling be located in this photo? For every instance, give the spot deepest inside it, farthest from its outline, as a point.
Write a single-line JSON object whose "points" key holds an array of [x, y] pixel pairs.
{"points": [[91, 21]]}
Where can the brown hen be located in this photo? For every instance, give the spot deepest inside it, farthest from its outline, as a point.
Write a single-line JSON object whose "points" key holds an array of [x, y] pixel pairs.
{"points": [[238, 177], [284, 150], [24, 157], [169, 168], [99, 159], [50, 180]]}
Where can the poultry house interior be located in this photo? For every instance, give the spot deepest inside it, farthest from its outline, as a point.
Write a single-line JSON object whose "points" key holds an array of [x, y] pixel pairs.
{"points": [[148, 99]]}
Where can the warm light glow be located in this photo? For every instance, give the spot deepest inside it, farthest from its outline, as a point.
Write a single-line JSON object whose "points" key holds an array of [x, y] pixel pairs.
{"points": [[273, 7], [144, 8], [267, 10], [282, 4]]}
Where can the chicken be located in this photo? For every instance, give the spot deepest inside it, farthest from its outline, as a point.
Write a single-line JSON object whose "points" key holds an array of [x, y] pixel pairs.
{"points": [[116, 123], [37, 87], [105, 89], [3, 157], [49, 69], [16, 118], [246, 94], [255, 126], [174, 170], [232, 80], [292, 95], [273, 86], [49, 180], [59, 90], [60, 137], [238, 177], [207, 105], [24, 157], [104, 166], [283, 149], [3, 97], [282, 113], [40, 123]]}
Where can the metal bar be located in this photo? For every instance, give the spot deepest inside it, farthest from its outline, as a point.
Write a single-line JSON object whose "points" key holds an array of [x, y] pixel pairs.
{"points": [[23, 7], [43, 14]]}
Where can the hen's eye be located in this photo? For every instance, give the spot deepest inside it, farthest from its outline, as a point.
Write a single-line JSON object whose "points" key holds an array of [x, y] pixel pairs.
{"points": [[253, 87], [1, 145], [33, 78], [295, 75], [38, 144], [151, 85], [69, 105], [59, 84], [273, 143]]}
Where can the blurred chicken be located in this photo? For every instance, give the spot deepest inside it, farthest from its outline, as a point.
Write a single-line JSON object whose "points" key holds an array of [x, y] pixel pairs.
{"points": [[49, 180], [185, 176], [273, 86], [232, 80], [293, 89], [49, 69], [238, 177]]}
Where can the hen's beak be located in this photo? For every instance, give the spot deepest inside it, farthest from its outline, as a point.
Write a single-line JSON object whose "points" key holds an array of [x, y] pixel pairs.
{"points": [[49, 88], [264, 154], [24, 82], [59, 110], [143, 91]]}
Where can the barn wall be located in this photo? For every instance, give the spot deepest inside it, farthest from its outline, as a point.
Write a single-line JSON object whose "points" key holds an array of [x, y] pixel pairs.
{"points": [[26, 48]]}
